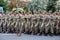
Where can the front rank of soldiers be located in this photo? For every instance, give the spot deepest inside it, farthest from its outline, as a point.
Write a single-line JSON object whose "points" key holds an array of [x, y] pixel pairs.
{"points": [[38, 23]]}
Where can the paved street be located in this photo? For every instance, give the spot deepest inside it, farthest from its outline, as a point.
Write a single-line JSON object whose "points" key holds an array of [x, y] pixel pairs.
{"points": [[27, 37]]}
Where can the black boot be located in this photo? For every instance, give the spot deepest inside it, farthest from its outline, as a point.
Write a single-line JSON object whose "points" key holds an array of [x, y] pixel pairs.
{"points": [[40, 34], [51, 34]]}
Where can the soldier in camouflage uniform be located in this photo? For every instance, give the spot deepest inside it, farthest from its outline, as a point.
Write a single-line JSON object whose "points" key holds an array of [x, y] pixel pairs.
{"points": [[0, 25]]}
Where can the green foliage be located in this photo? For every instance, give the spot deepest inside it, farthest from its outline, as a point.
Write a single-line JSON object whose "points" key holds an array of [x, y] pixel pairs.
{"points": [[3, 4], [25, 8], [36, 5], [9, 8], [51, 5]]}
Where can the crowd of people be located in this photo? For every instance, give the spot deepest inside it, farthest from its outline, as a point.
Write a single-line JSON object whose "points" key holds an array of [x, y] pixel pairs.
{"points": [[25, 22]]}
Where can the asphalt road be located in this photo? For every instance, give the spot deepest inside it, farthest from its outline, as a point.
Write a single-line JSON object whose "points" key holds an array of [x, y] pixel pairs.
{"points": [[27, 37]]}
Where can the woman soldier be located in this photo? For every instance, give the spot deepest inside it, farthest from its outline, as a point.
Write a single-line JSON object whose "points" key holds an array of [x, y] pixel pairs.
{"points": [[4, 24], [12, 25], [23, 21], [8, 24], [17, 23], [9, 21], [37, 23], [59, 25], [59, 22], [42, 23], [20, 23], [27, 22], [51, 29], [55, 22], [0, 25], [3, 20], [33, 24], [16, 26], [47, 23], [19, 27], [29, 19], [56, 26], [46, 27]]}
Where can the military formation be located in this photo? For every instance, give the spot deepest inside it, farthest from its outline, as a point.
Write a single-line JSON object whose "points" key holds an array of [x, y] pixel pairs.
{"points": [[38, 23]]}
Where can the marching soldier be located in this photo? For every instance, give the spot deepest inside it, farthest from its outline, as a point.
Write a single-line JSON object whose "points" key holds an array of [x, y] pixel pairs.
{"points": [[4, 24], [37, 24], [47, 21], [57, 26], [27, 23], [51, 26], [0, 25], [2, 17], [33, 24], [42, 24], [8, 24]]}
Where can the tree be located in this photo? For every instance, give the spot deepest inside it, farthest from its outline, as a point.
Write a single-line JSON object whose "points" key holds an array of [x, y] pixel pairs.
{"points": [[3, 4], [51, 5], [36, 5]]}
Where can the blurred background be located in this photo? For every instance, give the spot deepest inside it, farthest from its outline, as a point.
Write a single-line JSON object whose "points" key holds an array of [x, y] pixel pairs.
{"points": [[29, 5]]}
